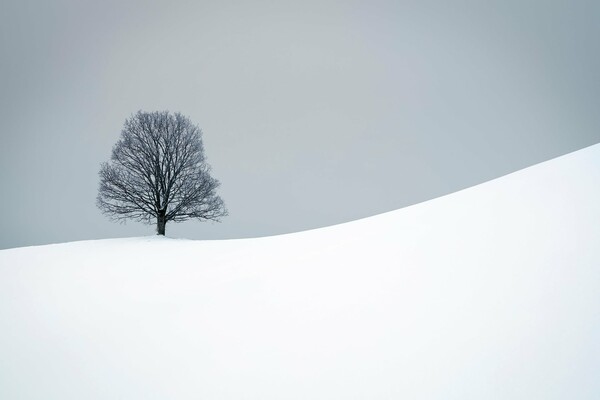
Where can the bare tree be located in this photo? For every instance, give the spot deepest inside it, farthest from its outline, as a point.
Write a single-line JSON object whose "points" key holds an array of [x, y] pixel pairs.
{"points": [[158, 172]]}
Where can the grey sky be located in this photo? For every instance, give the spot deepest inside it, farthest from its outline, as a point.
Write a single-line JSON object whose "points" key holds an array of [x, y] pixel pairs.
{"points": [[313, 112]]}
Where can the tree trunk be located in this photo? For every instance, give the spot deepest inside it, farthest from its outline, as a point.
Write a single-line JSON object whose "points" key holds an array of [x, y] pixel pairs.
{"points": [[161, 221]]}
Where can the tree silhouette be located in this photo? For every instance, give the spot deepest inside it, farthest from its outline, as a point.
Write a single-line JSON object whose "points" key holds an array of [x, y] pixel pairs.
{"points": [[158, 171]]}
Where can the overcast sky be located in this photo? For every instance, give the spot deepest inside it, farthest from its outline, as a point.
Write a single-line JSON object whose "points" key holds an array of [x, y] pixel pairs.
{"points": [[313, 112]]}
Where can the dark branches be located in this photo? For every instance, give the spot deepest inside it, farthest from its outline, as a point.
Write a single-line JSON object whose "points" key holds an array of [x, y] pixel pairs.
{"points": [[158, 172]]}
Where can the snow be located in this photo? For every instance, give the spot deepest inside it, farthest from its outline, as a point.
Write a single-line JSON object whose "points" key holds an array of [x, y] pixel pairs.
{"points": [[489, 293]]}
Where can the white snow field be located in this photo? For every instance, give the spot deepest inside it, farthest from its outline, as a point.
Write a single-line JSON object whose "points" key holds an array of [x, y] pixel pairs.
{"points": [[489, 293]]}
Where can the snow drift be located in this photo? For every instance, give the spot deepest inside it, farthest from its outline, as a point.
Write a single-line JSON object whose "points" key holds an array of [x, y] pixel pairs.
{"points": [[489, 293]]}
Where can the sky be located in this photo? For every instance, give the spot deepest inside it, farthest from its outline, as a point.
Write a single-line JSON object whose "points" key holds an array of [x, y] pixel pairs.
{"points": [[314, 113]]}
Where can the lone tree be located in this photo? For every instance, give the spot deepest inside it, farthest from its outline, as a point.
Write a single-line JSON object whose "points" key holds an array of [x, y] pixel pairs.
{"points": [[158, 172]]}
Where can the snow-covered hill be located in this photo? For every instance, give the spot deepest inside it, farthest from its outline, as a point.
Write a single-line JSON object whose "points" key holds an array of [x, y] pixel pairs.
{"points": [[489, 293]]}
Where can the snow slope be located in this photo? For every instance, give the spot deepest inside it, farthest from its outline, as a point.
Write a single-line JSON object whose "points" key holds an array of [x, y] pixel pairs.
{"points": [[489, 293]]}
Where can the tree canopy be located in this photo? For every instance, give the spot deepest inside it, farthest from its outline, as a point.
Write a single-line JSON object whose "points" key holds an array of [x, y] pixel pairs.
{"points": [[158, 172]]}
